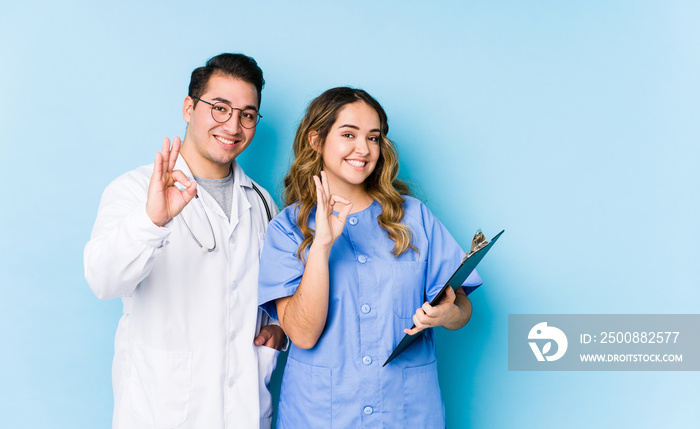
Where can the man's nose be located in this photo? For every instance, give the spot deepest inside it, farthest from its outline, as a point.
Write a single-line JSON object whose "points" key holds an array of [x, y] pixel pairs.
{"points": [[233, 125]]}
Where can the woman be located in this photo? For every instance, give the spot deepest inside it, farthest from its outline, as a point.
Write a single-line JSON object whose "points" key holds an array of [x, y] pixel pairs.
{"points": [[347, 267]]}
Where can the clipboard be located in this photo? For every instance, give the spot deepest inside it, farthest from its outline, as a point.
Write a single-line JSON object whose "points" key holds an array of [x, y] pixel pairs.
{"points": [[468, 265]]}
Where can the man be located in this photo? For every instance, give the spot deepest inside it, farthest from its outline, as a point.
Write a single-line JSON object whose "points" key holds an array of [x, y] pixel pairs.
{"points": [[192, 349]]}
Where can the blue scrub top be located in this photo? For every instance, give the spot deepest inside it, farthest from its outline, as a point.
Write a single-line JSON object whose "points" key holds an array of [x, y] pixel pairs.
{"points": [[340, 382]]}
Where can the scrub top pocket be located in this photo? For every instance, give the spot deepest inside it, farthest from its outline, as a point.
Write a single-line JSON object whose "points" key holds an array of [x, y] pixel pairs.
{"points": [[407, 286], [305, 398], [422, 400]]}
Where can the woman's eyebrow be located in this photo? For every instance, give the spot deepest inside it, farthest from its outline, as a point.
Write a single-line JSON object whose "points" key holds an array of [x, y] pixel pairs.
{"points": [[355, 127]]}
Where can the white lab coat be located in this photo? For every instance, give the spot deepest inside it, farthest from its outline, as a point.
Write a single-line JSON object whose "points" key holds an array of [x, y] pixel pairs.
{"points": [[184, 354]]}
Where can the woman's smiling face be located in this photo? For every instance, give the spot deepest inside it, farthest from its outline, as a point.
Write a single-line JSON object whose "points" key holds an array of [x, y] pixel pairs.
{"points": [[351, 149]]}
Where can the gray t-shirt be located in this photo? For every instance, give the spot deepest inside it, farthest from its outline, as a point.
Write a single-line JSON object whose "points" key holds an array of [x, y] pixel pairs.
{"points": [[220, 189]]}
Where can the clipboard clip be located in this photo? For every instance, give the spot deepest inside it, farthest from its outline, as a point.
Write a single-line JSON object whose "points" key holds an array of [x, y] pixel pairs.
{"points": [[478, 242]]}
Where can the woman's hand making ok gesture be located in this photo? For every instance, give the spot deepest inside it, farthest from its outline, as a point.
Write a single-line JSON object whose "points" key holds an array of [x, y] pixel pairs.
{"points": [[328, 225]]}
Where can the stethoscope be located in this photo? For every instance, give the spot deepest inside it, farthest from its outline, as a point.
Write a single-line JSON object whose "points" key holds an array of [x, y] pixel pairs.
{"points": [[211, 228]]}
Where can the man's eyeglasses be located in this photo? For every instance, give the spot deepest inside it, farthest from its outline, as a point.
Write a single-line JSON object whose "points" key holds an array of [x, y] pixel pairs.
{"points": [[222, 112]]}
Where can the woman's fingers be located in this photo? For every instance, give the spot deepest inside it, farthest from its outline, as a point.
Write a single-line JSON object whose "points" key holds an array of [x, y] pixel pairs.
{"points": [[343, 214], [327, 201], [418, 322], [338, 199], [450, 296], [320, 197], [324, 181]]}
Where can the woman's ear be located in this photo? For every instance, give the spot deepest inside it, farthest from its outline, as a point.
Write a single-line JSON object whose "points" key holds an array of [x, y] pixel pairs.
{"points": [[313, 141]]}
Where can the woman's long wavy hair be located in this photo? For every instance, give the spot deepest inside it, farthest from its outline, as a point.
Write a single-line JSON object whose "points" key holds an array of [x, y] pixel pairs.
{"points": [[382, 184]]}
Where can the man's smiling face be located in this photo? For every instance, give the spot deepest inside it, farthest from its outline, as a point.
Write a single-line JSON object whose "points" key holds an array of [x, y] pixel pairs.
{"points": [[210, 146]]}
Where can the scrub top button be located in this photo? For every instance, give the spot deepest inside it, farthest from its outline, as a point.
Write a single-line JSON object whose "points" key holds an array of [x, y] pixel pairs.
{"points": [[366, 360], [368, 410], [365, 308], [353, 221], [362, 259]]}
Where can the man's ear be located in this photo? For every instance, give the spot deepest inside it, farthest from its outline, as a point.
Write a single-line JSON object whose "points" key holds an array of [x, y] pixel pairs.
{"points": [[313, 141], [187, 108]]}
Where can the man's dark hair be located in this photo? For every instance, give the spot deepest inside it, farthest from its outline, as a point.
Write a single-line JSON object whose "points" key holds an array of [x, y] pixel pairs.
{"points": [[238, 66]]}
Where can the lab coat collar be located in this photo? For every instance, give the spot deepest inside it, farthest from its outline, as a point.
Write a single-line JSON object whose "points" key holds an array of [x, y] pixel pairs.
{"points": [[239, 176], [239, 203]]}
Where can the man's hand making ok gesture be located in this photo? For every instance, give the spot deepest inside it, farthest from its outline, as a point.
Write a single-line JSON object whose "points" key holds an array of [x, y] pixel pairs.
{"points": [[165, 200]]}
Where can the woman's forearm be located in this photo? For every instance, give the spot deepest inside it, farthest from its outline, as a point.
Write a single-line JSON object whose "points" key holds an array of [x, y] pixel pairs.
{"points": [[303, 315]]}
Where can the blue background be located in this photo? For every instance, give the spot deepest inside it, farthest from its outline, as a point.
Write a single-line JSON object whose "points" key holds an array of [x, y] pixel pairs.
{"points": [[573, 125]]}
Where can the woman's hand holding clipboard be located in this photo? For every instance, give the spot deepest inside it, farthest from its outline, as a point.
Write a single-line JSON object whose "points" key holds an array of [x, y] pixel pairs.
{"points": [[477, 252]]}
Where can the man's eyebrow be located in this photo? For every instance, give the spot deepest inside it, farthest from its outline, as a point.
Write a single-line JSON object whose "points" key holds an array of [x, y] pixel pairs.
{"points": [[223, 100]]}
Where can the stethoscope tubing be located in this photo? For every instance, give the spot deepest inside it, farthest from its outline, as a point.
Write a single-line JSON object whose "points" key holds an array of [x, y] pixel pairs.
{"points": [[211, 228]]}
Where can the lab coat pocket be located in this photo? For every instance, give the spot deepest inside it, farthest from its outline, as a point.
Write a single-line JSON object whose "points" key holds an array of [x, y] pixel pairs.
{"points": [[159, 387], [422, 400], [408, 287], [305, 398], [267, 361]]}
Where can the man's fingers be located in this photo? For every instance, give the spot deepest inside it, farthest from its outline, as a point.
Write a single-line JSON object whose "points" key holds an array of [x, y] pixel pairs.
{"points": [[166, 145], [190, 192], [271, 336], [190, 187], [164, 157], [263, 337], [157, 167], [173, 153], [180, 177], [165, 152]]}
